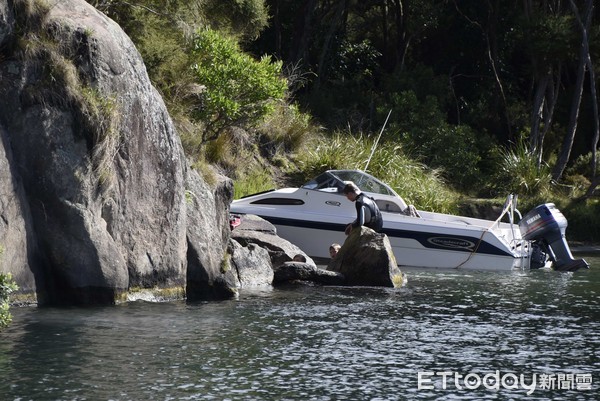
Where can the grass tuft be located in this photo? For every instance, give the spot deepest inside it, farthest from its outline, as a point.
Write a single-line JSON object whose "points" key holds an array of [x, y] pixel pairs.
{"points": [[255, 180], [416, 183]]}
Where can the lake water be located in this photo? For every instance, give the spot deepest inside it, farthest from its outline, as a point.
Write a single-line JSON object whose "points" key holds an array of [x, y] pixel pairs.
{"points": [[322, 343]]}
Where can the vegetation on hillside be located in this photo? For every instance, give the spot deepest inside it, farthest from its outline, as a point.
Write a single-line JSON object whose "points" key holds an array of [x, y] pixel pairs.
{"points": [[7, 286], [487, 98]]}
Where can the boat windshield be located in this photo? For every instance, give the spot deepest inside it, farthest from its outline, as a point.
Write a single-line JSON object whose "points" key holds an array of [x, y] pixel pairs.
{"points": [[335, 180]]}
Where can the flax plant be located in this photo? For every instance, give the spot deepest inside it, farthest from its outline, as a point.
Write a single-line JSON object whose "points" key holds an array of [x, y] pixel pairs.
{"points": [[520, 173]]}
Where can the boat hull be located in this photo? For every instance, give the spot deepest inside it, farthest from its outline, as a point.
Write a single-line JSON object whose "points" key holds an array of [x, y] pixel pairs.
{"points": [[315, 215], [413, 246]]}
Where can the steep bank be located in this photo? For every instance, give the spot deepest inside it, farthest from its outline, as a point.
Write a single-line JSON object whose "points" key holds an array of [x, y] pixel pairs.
{"points": [[97, 197]]}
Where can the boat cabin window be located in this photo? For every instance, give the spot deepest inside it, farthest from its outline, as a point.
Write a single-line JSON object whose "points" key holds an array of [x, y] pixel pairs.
{"points": [[335, 180], [278, 201], [325, 182], [387, 206]]}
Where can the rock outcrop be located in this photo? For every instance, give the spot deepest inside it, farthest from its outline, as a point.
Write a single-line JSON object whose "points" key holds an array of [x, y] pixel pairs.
{"points": [[298, 271], [257, 231], [252, 265], [262, 258], [96, 195], [366, 258]]}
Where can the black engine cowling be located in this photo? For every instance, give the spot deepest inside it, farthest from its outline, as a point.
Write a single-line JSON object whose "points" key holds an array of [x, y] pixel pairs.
{"points": [[545, 225]]}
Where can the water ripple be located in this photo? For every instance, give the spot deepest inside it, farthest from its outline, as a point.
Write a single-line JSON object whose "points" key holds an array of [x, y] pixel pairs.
{"points": [[313, 343]]}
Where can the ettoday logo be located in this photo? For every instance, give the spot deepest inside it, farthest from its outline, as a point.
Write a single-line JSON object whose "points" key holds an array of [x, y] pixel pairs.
{"points": [[447, 380]]}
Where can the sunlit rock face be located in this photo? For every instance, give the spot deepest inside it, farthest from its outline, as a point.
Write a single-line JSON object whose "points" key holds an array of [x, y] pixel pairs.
{"points": [[97, 197]]}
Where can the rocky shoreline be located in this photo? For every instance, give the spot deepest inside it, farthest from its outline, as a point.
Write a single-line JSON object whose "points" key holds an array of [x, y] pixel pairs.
{"points": [[584, 249]]}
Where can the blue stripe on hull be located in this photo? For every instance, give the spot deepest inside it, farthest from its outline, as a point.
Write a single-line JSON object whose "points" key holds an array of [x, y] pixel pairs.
{"points": [[458, 243]]}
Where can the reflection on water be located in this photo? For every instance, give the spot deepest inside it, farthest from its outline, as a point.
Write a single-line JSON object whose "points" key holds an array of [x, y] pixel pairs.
{"points": [[314, 343]]}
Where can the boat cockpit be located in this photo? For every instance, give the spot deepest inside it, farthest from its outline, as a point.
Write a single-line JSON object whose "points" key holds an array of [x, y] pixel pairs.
{"points": [[335, 180]]}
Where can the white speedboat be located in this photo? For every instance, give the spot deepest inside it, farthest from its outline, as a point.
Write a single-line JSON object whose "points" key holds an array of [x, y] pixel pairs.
{"points": [[314, 216]]}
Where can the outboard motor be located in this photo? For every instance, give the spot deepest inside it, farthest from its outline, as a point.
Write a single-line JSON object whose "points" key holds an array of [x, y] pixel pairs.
{"points": [[546, 226]]}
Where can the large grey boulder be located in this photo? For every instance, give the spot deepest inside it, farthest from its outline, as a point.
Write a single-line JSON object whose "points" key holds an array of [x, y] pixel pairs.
{"points": [[255, 230], [16, 242], [207, 238], [298, 271], [262, 258], [97, 197], [252, 265], [366, 258]]}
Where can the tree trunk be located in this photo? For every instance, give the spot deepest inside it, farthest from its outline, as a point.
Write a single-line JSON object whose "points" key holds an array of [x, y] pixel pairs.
{"points": [[489, 35], [596, 118], [402, 42], [277, 29], [302, 33], [333, 27], [567, 145], [538, 114], [549, 106], [593, 186]]}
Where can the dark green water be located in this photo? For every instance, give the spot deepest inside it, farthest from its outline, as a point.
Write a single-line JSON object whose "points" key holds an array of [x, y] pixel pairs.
{"points": [[320, 343]]}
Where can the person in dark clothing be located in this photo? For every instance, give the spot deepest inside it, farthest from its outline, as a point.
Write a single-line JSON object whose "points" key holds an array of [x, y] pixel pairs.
{"points": [[367, 212]]}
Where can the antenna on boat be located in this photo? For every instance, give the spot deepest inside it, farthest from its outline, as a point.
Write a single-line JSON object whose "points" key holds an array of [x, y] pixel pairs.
{"points": [[377, 141]]}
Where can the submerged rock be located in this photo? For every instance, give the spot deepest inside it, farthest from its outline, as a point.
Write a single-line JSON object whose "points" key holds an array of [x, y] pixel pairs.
{"points": [[366, 258], [298, 271]]}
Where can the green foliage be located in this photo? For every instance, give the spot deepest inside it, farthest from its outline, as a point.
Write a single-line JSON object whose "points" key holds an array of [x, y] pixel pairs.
{"points": [[455, 150], [584, 220], [549, 37], [246, 18], [519, 173], [413, 181], [287, 128], [206, 171], [415, 118], [576, 185], [103, 117], [7, 286], [218, 151], [356, 62], [583, 165], [252, 181], [238, 89]]}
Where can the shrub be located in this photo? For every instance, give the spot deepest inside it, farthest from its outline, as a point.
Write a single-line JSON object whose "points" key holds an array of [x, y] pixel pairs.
{"points": [[287, 129], [576, 185], [7, 286], [584, 220], [582, 165], [238, 89], [519, 173], [253, 181], [246, 18], [421, 127], [454, 149]]}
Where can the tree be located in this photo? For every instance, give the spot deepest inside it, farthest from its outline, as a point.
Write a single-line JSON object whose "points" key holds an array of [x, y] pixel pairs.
{"points": [[546, 37], [584, 55], [238, 90]]}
